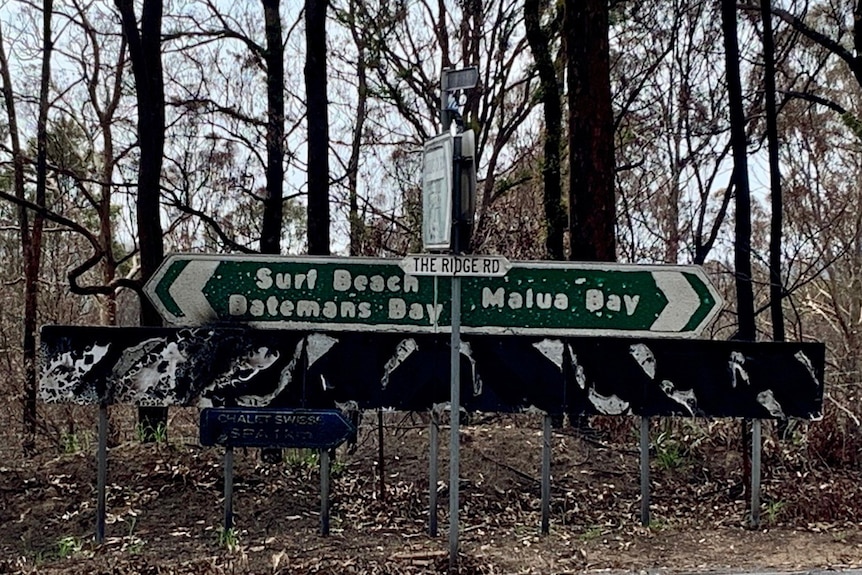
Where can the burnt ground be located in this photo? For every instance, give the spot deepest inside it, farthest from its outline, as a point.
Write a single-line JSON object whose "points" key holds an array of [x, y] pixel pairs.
{"points": [[165, 502]]}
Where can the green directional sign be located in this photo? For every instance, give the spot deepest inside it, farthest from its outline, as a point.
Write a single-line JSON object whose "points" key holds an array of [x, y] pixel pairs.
{"points": [[578, 298], [356, 294]]}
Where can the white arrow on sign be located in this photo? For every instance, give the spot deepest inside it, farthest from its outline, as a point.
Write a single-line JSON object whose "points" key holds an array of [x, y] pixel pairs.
{"points": [[455, 266], [682, 301], [187, 290]]}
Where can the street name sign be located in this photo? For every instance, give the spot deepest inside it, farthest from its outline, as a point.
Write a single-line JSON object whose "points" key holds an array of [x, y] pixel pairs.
{"points": [[463, 79], [268, 427], [455, 266], [366, 294]]}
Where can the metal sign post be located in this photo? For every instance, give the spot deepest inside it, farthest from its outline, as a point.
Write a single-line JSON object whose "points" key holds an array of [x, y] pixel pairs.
{"points": [[546, 474], [433, 434], [756, 452], [324, 491], [644, 451], [455, 370], [454, 418], [228, 488], [102, 473]]}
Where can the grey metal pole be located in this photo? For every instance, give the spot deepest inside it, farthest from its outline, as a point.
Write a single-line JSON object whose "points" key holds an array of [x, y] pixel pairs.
{"points": [[102, 473], [756, 450], [380, 458], [455, 414], [228, 488], [433, 434], [455, 364], [546, 474], [324, 492], [445, 119], [644, 449]]}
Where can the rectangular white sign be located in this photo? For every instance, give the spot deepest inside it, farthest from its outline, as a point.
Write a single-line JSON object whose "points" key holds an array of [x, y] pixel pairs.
{"points": [[437, 193], [455, 266]]}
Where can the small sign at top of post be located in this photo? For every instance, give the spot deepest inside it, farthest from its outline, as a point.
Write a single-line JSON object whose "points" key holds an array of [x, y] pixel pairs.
{"points": [[462, 79]]}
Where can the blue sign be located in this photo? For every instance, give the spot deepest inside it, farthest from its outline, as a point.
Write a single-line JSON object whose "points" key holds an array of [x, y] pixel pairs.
{"points": [[267, 427]]}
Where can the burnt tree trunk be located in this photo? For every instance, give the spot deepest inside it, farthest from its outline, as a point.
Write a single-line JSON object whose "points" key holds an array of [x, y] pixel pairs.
{"points": [[146, 57], [592, 211], [738, 142], [318, 127], [273, 213], [555, 215], [742, 236], [777, 200], [357, 221], [31, 242], [34, 261]]}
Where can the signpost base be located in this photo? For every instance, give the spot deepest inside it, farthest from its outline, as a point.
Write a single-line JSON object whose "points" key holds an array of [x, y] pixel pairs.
{"points": [[644, 449], [102, 473], [228, 489], [756, 451], [324, 492], [454, 417], [434, 440], [546, 474]]}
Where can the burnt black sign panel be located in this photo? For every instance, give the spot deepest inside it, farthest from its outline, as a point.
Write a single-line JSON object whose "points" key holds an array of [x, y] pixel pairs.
{"points": [[268, 427], [235, 367]]}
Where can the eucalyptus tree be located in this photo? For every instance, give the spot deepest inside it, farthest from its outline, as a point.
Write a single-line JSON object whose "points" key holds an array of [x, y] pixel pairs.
{"points": [[672, 131], [406, 46], [592, 199], [57, 174], [317, 120], [237, 109], [31, 236], [820, 85], [352, 84], [95, 139], [145, 53], [542, 26]]}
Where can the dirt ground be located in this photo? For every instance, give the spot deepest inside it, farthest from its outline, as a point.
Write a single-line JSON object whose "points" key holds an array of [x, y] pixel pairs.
{"points": [[165, 503]]}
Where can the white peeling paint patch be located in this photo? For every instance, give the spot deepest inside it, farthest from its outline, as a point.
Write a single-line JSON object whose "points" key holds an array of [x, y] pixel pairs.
{"points": [[803, 359], [284, 380], [685, 398], [553, 350], [241, 369], [153, 379], [131, 356], [349, 406], [645, 358], [610, 405], [580, 376], [318, 345], [467, 351], [258, 360], [737, 360], [59, 377], [405, 348], [767, 400]]}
